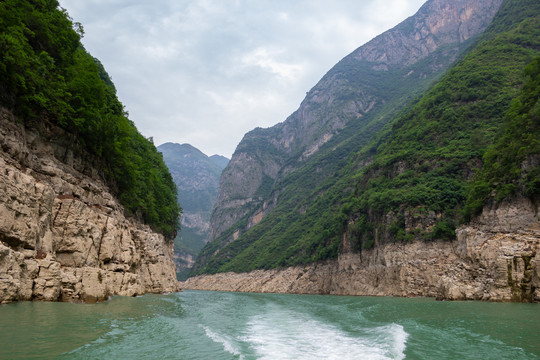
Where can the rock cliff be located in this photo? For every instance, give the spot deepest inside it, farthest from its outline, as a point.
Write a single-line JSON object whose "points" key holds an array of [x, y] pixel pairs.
{"points": [[495, 258], [63, 236]]}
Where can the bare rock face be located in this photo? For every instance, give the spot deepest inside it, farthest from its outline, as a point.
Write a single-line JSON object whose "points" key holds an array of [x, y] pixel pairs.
{"points": [[438, 22], [486, 262], [63, 236]]}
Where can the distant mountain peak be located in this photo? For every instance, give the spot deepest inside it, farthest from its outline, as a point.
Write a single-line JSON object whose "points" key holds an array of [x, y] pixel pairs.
{"points": [[197, 179]]}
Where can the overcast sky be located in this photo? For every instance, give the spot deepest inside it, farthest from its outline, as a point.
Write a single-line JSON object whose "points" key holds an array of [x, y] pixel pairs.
{"points": [[205, 72]]}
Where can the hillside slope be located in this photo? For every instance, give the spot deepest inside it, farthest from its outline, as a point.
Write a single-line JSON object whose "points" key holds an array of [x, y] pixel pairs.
{"points": [[277, 176], [416, 185], [46, 76], [467, 150]]}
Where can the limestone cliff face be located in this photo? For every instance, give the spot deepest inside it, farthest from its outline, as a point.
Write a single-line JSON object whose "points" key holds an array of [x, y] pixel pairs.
{"points": [[63, 236], [495, 258], [378, 75]]}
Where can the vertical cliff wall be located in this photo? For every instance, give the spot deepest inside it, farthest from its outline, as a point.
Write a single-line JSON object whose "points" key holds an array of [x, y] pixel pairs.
{"points": [[63, 236]]}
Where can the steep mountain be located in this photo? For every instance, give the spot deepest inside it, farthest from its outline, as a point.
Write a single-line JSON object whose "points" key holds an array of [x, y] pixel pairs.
{"points": [[88, 208], [279, 173], [220, 161], [466, 152], [416, 184], [197, 178]]}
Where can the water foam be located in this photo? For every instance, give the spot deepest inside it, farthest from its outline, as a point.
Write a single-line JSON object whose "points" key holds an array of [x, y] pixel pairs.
{"points": [[395, 335], [294, 336], [226, 341]]}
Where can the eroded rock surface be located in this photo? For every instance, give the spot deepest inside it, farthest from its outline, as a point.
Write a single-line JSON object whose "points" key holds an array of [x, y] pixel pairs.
{"points": [[63, 236]]}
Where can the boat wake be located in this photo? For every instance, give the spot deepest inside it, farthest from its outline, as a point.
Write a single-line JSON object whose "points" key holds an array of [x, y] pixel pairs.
{"points": [[229, 344], [294, 337], [290, 335]]}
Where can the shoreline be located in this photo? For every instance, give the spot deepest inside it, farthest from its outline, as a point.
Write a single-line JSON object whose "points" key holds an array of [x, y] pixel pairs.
{"points": [[480, 265]]}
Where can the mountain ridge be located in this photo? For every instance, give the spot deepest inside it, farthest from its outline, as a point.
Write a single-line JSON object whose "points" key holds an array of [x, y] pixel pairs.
{"points": [[386, 223], [355, 97]]}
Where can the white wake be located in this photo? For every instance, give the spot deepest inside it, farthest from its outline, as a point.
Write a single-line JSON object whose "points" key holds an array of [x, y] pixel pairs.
{"points": [[292, 336]]}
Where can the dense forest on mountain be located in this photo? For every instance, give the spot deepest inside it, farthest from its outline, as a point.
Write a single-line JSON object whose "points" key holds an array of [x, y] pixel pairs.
{"points": [[511, 166], [424, 163], [437, 162], [47, 77]]}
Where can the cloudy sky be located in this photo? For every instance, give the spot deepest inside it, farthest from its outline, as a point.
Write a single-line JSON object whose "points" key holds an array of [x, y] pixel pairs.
{"points": [[205, 72]]}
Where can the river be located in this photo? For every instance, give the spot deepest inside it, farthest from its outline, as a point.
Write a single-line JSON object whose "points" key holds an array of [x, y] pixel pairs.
{"points": [[217, 325]]}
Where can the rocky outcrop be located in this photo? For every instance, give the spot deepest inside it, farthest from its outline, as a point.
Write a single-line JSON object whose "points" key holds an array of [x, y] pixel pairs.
{"points": [[63, 236], [438, 22], [495, 258], [384, 73], [499, 255]]}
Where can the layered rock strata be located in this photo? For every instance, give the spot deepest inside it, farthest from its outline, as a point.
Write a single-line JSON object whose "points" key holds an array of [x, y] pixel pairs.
{"points": [[496, 258], [63, 236]]}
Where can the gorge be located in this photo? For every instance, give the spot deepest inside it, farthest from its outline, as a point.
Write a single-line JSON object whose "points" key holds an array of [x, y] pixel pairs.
{"points": [[411, 169], [196, 176]]}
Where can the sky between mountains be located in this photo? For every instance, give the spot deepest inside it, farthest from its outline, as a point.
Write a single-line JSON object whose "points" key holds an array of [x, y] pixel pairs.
{"points": [[205, 72]]}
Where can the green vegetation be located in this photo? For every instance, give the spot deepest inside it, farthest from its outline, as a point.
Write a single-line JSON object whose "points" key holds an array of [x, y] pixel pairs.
{"points": [[307, 224], [46, 76], [511, 165], [403, 175], [425, 161]]}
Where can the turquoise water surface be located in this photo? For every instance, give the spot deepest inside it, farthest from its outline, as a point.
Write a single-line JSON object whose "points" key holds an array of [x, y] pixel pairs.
{"points": [[216, 325]]}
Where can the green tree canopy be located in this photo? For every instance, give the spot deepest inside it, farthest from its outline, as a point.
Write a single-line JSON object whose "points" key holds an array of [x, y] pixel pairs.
{"points": [[46, 75]]}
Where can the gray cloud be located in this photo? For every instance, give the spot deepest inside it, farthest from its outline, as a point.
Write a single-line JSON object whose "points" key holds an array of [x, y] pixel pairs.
{"points": [[205, 72]]}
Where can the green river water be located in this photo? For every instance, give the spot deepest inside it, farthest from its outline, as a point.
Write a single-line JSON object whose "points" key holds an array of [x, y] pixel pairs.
{"points": [[216, 325]]}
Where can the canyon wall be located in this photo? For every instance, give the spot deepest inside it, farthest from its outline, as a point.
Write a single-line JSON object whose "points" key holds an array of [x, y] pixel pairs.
{"points": [[63, 236], [495, 258]]}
